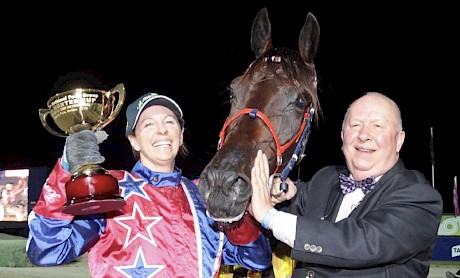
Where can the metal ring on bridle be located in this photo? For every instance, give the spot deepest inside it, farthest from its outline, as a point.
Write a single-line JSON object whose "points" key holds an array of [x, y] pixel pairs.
{"points": [[270, 184]]}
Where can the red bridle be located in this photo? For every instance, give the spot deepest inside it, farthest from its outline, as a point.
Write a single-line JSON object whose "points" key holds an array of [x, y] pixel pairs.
{"points": [[253, 113]]}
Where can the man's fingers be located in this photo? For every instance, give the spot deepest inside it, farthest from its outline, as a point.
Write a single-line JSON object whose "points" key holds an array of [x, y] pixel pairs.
{"points": [[265, 167], [260, 171]]}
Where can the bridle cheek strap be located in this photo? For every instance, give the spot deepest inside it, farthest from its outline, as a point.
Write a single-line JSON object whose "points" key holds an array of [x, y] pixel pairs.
{"points": [[253, 113]]}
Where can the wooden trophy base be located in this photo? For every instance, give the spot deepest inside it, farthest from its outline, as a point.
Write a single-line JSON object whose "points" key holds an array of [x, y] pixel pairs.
{"points": [[91, 205], [92, 190]]}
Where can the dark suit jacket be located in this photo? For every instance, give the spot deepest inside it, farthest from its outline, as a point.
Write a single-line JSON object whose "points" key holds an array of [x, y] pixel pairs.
{"points": [[392, 233]]}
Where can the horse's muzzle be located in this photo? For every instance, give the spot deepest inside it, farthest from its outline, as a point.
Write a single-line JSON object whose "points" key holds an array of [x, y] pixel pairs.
{"points": [[226, 194]]}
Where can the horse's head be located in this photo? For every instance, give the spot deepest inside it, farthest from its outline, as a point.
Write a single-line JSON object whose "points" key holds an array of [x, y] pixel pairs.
{"points": [[270, 105]]}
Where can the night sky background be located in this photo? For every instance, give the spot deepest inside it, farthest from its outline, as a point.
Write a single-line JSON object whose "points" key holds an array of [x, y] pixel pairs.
{"points": [[192, 52]]}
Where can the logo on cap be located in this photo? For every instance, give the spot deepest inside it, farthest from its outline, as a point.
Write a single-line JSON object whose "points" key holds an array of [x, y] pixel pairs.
{"points": [[145, 99]]}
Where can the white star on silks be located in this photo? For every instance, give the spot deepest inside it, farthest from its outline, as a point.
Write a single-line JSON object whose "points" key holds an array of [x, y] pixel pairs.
{"points": [[129, 186], [139, 269], [138, 226]]}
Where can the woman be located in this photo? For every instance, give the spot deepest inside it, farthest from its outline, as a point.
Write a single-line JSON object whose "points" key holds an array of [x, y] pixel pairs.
{"points": [[162, 230]]}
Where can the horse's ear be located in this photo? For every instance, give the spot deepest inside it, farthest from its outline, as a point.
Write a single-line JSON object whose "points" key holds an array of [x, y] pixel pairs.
{"points": [[309, 39], [261, 35]]}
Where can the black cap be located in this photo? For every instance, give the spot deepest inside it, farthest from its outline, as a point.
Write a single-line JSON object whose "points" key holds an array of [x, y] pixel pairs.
{"points": [[135, 109]]}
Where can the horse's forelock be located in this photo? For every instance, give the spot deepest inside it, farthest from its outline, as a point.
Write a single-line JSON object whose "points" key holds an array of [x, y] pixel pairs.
{"points": [[290, 66], [298, 72]]}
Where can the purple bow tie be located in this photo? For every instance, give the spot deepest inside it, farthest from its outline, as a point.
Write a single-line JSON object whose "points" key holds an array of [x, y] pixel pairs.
{"points": [[349, 185]]}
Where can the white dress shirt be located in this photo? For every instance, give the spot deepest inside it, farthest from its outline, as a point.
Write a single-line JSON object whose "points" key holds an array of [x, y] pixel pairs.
{"points": [[284, 224]]}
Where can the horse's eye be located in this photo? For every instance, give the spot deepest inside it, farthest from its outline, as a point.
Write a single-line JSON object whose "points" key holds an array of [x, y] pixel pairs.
{"points": [[301, 101], [231, 95]]}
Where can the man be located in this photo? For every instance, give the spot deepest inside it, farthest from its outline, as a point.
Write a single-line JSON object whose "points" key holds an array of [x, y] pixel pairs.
{"points": [[384, 225]]}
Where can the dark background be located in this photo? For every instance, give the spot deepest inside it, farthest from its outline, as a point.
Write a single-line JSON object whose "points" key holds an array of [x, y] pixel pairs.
{"points": [[192, 52]]}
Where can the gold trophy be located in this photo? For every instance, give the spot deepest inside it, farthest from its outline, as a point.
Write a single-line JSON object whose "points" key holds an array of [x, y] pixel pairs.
{"points": [[92, 189]]}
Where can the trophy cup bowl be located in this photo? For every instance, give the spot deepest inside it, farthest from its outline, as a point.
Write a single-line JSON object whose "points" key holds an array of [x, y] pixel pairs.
{"points": [[91, 189]]}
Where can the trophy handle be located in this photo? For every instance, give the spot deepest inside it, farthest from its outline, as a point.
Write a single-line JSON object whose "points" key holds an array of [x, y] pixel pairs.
{"points": [[43, 114], [120, 89]]}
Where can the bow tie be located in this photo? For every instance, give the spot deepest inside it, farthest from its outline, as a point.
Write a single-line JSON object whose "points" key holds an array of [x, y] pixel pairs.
{"points": [[349, 185]]}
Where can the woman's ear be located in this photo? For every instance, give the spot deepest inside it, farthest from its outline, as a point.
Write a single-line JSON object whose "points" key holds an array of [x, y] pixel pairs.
{"points": [[133, 142], [182, 137]]}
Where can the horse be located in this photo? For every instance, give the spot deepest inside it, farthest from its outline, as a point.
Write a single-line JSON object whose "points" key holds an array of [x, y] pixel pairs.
{"points": [[272, 106]]}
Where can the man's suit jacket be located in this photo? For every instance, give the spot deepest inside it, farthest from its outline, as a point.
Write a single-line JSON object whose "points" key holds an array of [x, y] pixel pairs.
{"points": [[392, 232]]}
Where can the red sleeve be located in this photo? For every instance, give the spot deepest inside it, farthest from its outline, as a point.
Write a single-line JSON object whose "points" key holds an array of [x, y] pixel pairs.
{"points": [[53, 196]]}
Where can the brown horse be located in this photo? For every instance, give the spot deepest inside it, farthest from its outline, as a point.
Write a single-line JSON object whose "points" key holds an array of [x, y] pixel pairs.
{"points": [[272, 105]]}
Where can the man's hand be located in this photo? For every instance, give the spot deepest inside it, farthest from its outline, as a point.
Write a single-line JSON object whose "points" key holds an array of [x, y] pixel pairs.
{"points": [[261, 199], [82, 148], [279, 196], [264, 195]]}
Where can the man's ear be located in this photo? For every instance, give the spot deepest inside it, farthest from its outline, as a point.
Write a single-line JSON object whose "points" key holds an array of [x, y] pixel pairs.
{"points": [[400, 140]]}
